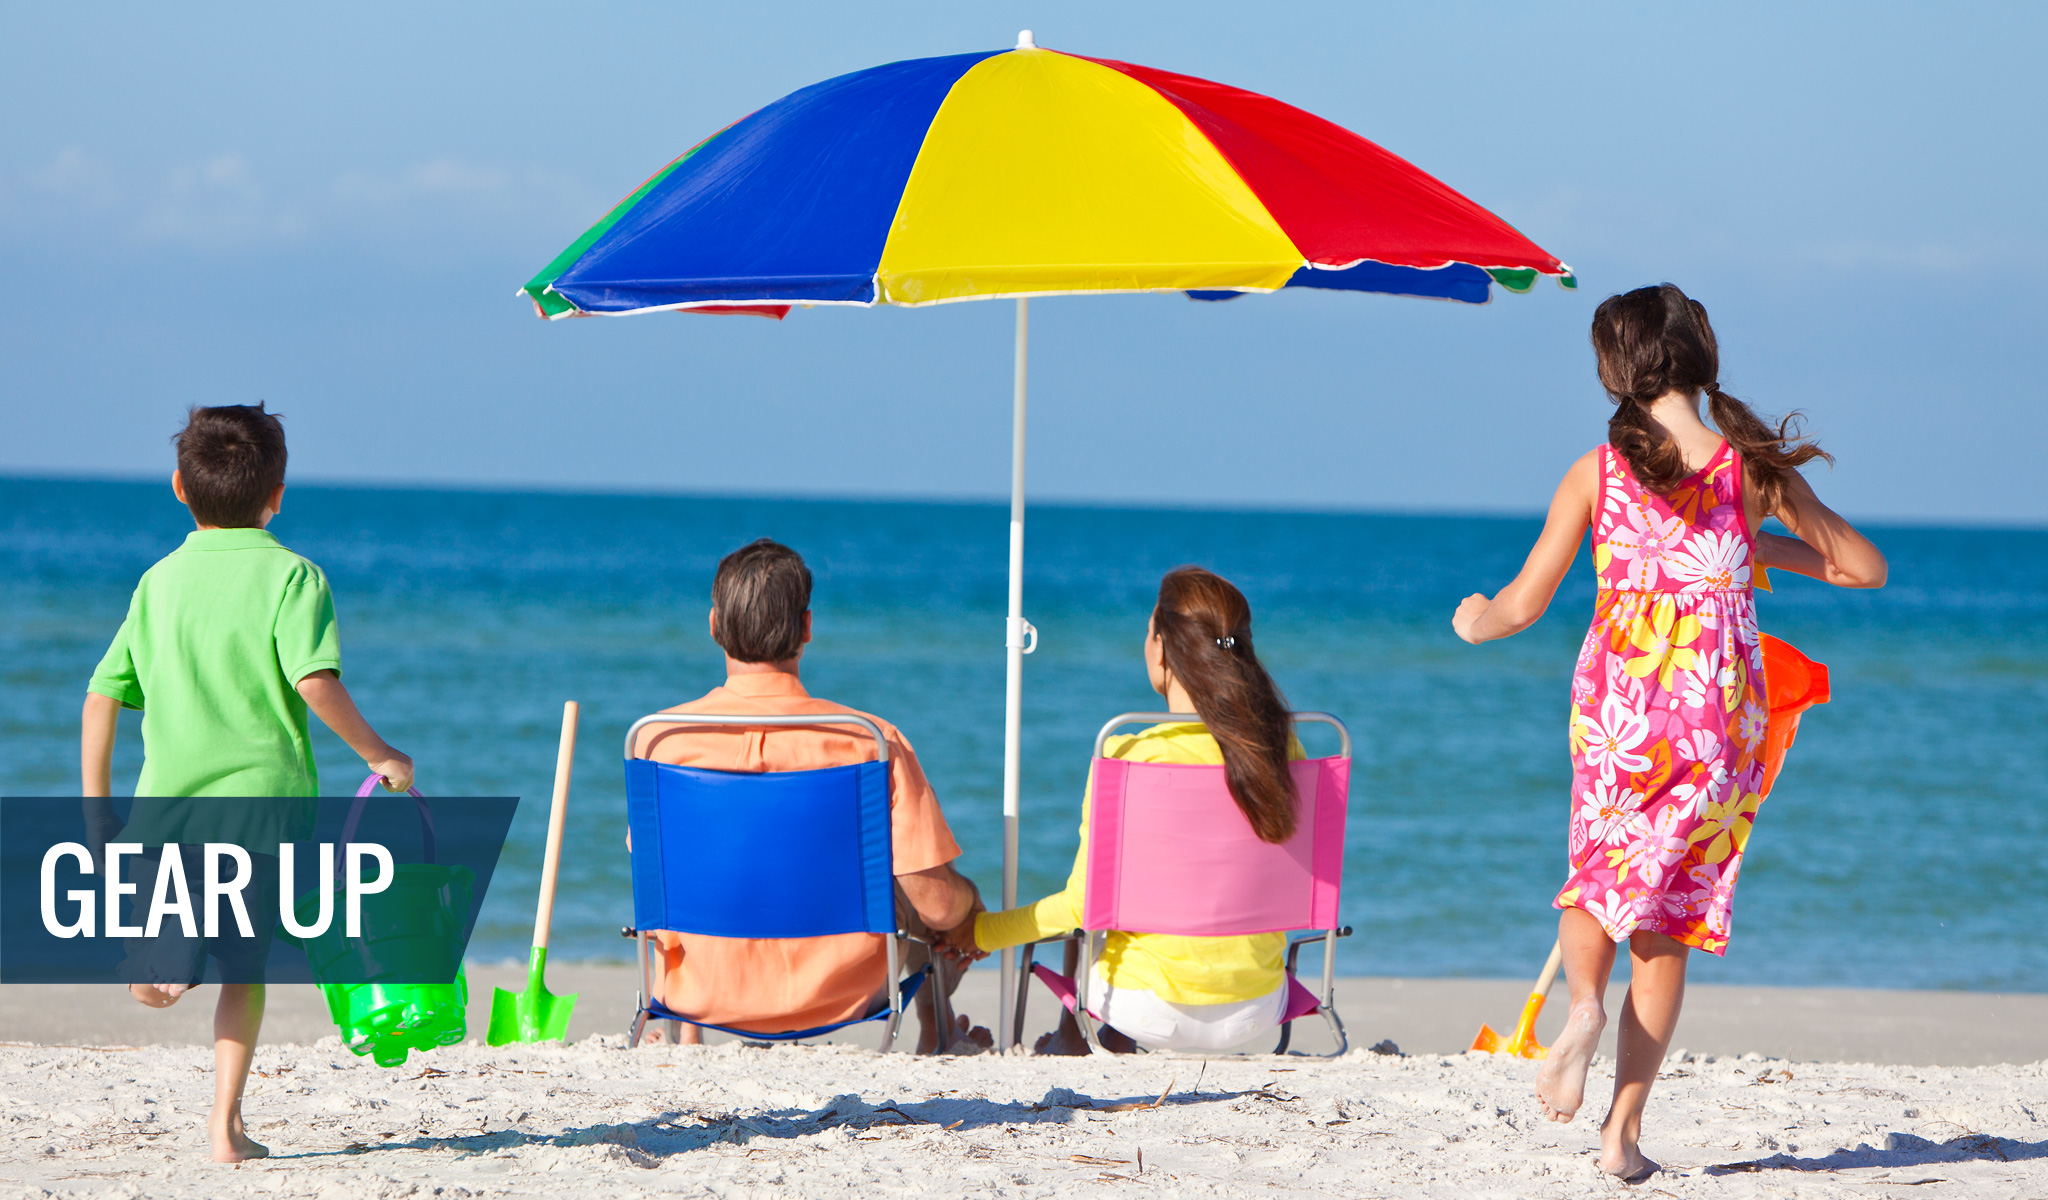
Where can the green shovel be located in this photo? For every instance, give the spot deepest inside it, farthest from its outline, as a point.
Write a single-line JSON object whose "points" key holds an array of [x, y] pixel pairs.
{"points": [[534, 1015]]}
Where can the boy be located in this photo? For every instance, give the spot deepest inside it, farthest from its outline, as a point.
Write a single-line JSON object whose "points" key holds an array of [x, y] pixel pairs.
{"points": [[228, 642]]}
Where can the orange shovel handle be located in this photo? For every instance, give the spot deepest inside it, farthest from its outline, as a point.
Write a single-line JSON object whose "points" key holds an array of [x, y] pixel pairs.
{"points": [[1523, 1043]]}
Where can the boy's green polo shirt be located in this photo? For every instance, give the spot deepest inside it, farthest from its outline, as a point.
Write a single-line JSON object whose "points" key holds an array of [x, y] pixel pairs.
{"points": [[218, 635]]}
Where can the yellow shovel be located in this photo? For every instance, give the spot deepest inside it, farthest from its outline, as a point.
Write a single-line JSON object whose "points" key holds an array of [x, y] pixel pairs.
{"points": [[1523, 1043]]}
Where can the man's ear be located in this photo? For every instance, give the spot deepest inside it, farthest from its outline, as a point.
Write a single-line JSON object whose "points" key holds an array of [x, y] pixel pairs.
{"points": [[712, 624], [276, 504], [807, 627], [178, 486]]}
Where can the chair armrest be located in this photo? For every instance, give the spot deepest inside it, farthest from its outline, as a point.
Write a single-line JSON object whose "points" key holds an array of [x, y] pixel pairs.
{"points": [[1299, 940]]}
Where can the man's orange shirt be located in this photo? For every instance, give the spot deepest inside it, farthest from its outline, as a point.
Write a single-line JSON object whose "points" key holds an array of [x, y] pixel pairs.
{"points": [[771, 985]]}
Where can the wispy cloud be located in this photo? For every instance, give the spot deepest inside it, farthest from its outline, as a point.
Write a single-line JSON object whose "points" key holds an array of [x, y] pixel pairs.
{"points": [[226, 201]]}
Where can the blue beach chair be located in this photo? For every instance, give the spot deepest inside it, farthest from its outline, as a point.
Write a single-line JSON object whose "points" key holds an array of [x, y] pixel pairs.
{"points": [[765, 855]]}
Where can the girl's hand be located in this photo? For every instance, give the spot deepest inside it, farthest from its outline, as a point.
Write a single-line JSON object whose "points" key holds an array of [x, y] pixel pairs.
{"points": [[1464, 622]]}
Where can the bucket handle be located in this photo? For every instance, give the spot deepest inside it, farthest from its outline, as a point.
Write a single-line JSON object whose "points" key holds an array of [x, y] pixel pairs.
{"points": [[355, 818]]}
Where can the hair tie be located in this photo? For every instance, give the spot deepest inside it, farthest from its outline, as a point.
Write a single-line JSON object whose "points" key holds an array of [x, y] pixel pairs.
{"points": [[1226, 641], [1711, 388]]}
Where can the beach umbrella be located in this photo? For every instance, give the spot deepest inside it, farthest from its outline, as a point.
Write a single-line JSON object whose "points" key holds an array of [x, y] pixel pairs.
{"points": [[1019, 173]]}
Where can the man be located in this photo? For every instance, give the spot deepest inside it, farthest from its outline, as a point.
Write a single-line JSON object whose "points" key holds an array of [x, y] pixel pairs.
{"points": [[761, 618]]}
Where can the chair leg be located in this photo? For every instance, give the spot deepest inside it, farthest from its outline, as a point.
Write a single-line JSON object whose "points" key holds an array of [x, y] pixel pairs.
{"points": [[1081, 960], [896, 993], [639, 1024], [1026, 957], [942, 1005]]}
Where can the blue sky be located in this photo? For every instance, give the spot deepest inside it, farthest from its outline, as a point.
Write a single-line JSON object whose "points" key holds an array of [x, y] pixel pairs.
{"points": [[329, 208]]}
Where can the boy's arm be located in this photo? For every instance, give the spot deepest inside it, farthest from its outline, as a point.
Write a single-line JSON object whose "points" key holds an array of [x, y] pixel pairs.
{"points": [[330, 701], [97, 725]]}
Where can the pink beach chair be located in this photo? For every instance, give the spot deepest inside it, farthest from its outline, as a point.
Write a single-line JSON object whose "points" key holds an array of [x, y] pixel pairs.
{"points": [[1169, 851]]}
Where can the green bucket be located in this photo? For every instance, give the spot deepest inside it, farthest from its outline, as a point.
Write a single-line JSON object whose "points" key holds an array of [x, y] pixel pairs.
{"points": [[411, 930]]}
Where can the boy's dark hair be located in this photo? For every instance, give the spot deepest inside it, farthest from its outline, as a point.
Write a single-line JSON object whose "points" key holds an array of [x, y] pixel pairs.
{"points": [[760, 595], [230, 459]]}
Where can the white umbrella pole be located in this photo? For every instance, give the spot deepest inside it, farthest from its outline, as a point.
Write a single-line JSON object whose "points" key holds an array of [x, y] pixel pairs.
{"points": [[1017, 644]]}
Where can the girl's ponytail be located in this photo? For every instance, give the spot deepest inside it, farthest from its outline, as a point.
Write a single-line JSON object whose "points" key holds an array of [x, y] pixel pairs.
{"points": [[1768, 454], [1205, 630], [1657, 340]]}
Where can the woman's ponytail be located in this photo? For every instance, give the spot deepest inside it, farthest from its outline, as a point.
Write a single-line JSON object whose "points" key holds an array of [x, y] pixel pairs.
{"points": [[1657, 340], [1205, 630]]}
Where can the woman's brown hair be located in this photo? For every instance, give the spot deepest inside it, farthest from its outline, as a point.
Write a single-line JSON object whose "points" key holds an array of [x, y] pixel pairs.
{"points": [[1205, 629], [1657, 340]]}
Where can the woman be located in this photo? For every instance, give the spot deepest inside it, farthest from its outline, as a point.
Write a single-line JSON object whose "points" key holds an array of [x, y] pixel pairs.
{"points": [[1164, 991]]}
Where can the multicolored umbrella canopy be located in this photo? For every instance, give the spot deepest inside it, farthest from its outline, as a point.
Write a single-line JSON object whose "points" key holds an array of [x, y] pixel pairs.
{"points": [[1029, 172], [1021, 173]]}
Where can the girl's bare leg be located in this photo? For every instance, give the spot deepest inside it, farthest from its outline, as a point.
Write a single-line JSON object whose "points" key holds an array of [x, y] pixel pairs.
{"points": [[1588, 960], [1649, 1015], [237, 1018]]}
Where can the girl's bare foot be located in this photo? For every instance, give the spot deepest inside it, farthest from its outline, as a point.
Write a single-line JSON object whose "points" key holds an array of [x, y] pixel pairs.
{"points": [[1561, 1080], [1627, 1163], [231, 1142]]}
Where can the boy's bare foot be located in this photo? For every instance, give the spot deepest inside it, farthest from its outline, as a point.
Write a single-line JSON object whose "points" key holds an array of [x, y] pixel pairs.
{"points": [[158, 995], [232, 1143], [1627, 1163], [1561, 1080]]}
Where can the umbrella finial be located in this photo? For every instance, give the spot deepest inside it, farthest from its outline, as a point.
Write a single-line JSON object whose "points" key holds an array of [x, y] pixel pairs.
{"points": [[1024, 41]]}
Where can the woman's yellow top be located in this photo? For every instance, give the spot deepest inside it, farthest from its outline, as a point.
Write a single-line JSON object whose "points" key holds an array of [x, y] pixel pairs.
{"points": [[1179, 970]]}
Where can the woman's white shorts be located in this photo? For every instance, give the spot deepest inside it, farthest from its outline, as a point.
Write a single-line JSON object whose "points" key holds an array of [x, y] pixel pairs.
{"points": [[1162, 1025]]}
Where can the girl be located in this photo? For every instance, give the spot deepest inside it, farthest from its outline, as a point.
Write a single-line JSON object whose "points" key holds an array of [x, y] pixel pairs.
{"points": [[1189, 993], [1668, 702]]}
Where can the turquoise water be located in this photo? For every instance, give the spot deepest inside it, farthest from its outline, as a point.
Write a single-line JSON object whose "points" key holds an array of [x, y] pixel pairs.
{"points": [[1901, 848]]}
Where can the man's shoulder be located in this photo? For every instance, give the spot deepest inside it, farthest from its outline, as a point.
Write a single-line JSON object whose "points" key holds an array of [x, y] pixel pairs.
{"points": [[722, 700]]}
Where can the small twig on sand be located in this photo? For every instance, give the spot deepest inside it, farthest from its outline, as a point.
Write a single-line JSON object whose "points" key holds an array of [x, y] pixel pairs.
{"points": [[1135, 1105]]}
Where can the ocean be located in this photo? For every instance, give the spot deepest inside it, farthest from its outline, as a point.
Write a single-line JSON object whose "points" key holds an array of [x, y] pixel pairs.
{"points": [[1901, 847]]}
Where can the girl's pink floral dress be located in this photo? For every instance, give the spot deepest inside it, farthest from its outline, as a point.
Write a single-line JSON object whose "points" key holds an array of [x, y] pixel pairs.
{"points": [[1667, 708]]}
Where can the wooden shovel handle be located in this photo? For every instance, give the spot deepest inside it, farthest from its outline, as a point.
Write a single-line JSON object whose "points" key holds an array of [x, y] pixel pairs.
{"points": [[565, 760], [1550, 966]]}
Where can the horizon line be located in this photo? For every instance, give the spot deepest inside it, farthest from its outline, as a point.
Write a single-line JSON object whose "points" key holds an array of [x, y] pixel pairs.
{"points": [[958, 500]]}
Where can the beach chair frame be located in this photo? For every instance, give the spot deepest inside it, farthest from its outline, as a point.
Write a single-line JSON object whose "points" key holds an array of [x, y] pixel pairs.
{"points": [[648, 1006], [1088, 942]]}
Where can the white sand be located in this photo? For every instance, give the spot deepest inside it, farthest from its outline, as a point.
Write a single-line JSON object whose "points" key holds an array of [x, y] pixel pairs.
{"points": [[593, 1120]]}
